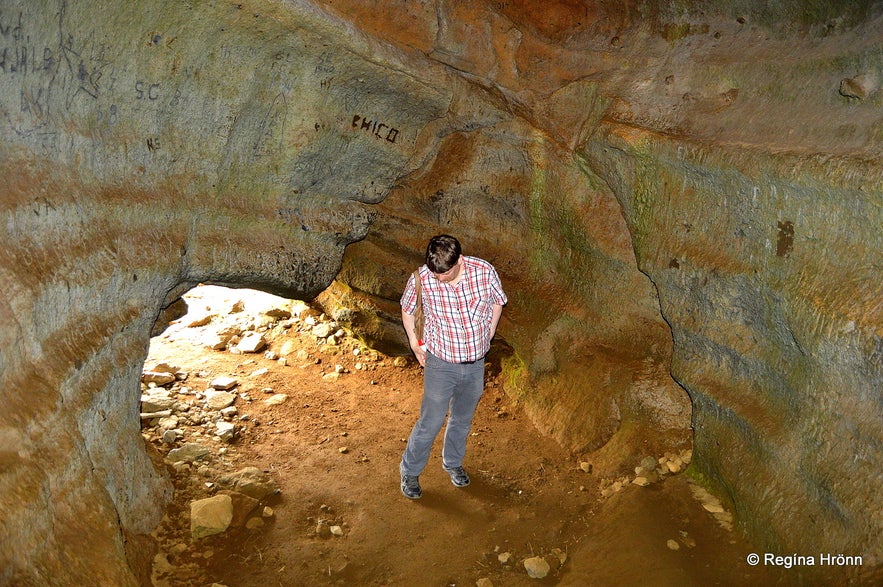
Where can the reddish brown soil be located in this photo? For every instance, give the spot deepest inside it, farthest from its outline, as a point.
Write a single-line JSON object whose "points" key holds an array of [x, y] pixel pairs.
{"points": [[527, 497]]}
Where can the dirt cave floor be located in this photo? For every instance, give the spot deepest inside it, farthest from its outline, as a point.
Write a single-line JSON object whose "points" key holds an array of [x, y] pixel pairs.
{"points": [[333, 448]]}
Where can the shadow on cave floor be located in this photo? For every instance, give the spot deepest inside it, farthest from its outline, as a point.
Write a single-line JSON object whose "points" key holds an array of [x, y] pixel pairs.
{"points": [[333, 445]]}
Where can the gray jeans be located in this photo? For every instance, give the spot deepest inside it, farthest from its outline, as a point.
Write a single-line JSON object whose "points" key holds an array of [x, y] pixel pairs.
{"points": [[454, 387]]}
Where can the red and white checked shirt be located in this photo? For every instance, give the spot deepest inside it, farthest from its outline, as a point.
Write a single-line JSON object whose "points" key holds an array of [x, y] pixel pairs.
{"points": [[457, 325]]}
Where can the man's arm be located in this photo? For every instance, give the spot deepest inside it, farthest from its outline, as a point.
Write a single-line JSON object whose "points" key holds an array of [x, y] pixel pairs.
{"points": [[495, 318], [419, 352]]}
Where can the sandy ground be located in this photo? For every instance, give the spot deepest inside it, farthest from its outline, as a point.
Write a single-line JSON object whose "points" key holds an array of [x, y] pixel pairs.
{"points": [[334, 447]]}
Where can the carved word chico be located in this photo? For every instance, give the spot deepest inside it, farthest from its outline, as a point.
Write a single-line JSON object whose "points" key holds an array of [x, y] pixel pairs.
{"points": [[376, 127]]}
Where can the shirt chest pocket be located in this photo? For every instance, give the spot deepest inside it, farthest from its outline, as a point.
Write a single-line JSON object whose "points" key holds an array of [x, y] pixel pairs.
{"points": [[479, 310]]}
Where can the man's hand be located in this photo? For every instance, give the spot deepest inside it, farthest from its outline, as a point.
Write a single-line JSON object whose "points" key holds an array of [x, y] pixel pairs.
{"points": [[420, 353]]}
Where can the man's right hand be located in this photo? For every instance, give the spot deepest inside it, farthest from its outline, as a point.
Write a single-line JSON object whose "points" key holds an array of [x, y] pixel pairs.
{"points": [[420, 353]]}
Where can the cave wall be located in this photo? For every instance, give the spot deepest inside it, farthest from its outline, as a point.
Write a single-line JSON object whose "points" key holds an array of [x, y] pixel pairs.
{"points": [[146, 148], [742, 144], [680, 200]]}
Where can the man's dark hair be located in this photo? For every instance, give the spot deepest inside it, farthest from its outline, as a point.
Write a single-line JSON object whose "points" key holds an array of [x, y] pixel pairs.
{"points": [[442, 253]]}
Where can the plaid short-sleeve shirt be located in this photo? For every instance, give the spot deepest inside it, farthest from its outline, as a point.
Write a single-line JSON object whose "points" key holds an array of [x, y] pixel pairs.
{"points": [[458, 317]]}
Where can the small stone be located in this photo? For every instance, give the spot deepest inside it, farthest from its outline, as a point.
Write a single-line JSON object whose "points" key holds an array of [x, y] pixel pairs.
{"points": [[259, 372], [251, 481], [218, 400], [673, 544], [504, 558], [217, 341], [585, 466], [288, 347], [251, 342], [322, 330], [224, 383], [642, 481], [343, 450], [712, 507], [226, 431], [860, 86], [157, 400], [199, 321], [276, 399], [190, 452], [336, 530], [278, 312], [537, 567], [210, 516], [484, 582], [400, 362], [165, 368], [322, 529], [158, 378]]}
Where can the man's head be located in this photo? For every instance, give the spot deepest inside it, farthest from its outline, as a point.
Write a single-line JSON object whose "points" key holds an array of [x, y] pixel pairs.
{"points": [[442, 254]]}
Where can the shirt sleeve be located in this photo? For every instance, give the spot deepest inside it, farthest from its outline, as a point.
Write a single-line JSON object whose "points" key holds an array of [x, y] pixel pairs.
{"points": [[409, 296], [496, 286]]}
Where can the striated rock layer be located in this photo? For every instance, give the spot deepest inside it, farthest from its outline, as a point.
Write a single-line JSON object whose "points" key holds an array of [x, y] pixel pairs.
{"points": [[684, 207]]}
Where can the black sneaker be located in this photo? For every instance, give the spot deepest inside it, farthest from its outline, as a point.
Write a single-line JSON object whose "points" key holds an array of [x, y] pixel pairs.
{"points": [[458, 476], [411, 486]]}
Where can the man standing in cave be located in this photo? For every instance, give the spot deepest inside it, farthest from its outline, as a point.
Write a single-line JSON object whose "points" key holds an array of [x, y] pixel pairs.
{"points": [[462, 300]]}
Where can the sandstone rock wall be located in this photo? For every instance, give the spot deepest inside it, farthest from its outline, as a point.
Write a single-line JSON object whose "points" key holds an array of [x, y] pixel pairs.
{"points": [[146, 148], [743, 144]]}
